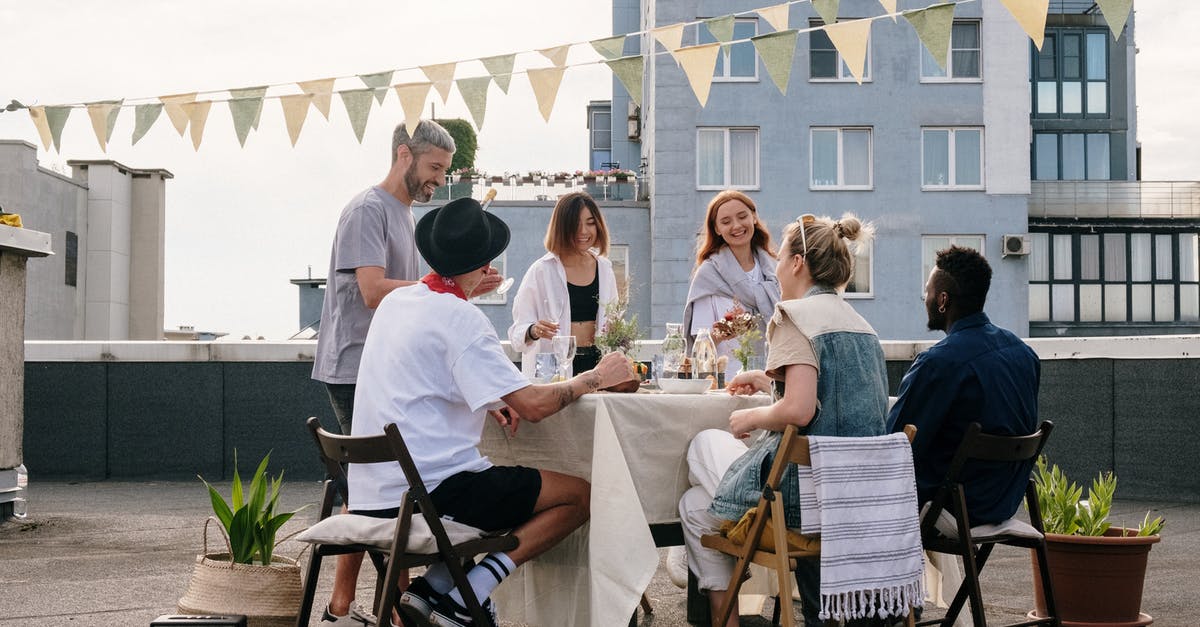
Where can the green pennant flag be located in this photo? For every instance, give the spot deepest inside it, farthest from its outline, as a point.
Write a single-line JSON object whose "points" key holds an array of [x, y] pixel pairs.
{"points": [[250, 93], [611, 48], [379, 81], [1116, 13], [474, 93], [501, 69], [933, 24], [358, 108], [630, 70], [721, 28], [827, 9], [57, 118], [244, 110], [145, 115], [777, 51]]}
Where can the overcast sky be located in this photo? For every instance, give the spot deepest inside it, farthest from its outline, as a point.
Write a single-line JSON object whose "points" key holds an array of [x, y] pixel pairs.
{"points": [[241, 222]]}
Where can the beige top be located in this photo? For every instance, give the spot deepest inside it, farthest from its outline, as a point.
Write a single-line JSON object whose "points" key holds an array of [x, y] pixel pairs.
{"points": [[787, 345]]}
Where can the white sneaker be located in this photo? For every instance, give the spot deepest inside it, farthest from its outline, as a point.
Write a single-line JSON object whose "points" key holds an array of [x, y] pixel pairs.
{"points": [[677, 566], [356, 617]]}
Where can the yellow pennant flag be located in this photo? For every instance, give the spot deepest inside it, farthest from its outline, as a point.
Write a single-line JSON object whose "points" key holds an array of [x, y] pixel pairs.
{"points": [[104, 118], [933, 24], [474, 93], [890, 7], [412, 100], [38, 115], [557, 54], [197, 115], [174, 108], [850, 39], [827, 9], [442, 77], [671, 38], [698, 63], [545, 84], [501, 69], [1116, 13], [322, 94], [1031, 15], [295, 111], [776, 16]]}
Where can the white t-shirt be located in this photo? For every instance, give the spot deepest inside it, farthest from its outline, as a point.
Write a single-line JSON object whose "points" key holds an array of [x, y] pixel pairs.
{"points": [[432, 365], [708, 310]]}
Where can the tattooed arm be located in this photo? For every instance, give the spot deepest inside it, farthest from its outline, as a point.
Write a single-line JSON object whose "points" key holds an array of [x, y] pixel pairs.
{"points": [[535, 402]]}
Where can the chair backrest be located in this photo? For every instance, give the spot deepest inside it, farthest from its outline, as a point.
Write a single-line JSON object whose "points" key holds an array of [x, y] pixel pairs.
{"points": [[793, 449], [997, 448]]}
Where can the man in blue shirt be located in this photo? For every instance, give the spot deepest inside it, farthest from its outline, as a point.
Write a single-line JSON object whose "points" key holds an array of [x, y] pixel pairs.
{"points": [[977, 373]]}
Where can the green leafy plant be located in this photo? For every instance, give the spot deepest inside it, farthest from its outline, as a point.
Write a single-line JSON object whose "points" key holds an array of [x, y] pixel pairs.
{"points": [[249, 518], [746, 348], [616, 333], [1066, 512]]}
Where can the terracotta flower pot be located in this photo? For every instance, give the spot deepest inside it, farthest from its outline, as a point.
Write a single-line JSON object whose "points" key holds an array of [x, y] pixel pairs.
{"points": [[1097, 579]]}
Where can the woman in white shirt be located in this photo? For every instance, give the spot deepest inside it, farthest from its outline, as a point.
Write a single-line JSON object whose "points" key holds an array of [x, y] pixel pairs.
{"points": [[735, 264], [565, 291]]}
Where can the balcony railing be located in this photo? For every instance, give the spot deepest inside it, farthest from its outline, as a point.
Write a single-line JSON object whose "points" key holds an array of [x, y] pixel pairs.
{"points": [[1114, 199], [542, 188]]}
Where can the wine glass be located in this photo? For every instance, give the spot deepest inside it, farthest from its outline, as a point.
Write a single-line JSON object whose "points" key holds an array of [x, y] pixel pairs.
{"points": [[505, 286], [564, 347]]}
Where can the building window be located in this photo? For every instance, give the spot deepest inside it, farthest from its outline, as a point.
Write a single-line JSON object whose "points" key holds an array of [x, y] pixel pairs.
{"points": [[1070, 74], [737, 62], [951, 158], [1071, 156], [618, 254], [71, 247], [501, 265], [600, 135], [727, 158], [964, 62], [825, 63], [841, 158], [931, 244], [861, 281]]}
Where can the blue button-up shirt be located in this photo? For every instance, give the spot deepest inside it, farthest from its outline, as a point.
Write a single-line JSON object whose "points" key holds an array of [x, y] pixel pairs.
{"points": [[978, 373]]}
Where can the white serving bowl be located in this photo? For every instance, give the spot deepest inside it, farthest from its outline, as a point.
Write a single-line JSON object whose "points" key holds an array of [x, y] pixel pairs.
{"points": [[684, 386]]}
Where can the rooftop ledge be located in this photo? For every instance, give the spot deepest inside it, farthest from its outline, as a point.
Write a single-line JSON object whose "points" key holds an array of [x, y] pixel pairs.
{"points": [[24, 241]]}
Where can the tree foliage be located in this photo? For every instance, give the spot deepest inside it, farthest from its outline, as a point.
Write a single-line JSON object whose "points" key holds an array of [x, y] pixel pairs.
{"points": [[464, 139]]}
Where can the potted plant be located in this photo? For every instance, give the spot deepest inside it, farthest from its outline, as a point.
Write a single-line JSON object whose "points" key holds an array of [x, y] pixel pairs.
{"points": [[560, 177], [1097, 570], [621, 335], [466, 175]]}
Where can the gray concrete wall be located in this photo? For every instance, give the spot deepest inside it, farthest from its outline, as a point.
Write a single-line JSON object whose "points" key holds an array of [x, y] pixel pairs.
{"points": [[147, 255], [17, 245]]}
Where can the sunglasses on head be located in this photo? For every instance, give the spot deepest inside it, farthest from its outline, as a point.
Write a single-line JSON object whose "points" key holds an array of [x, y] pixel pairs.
{"points": [[804, 221]]}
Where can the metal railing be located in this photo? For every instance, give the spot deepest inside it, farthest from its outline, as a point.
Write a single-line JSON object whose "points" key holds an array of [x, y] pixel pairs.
{"points": [[543, 188], [1114, 199]]}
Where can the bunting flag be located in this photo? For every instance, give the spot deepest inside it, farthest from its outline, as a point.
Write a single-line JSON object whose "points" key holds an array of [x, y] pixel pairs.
{"points": [[144, 116], [474, 92], [721, 28], [38, 115], [933, 24], [557, 55], [545, 84], [777, 16], [1031, 15], [295, 111], [776, 51], [610, 48], [379, 81], [698, 63], [827, 9], [57, 118], [197, 116], [322, 94], [255, 94], [104, 118], [358, 108], [890, 7], [850, 39], [501, 69], [442, 77], [1116, 13], [412, 100], [174, 108], [244, 111], [671, 38], [630, 70]]}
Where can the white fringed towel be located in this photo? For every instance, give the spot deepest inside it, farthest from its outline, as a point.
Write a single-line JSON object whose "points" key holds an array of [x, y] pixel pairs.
{"points": [[860, 496]]}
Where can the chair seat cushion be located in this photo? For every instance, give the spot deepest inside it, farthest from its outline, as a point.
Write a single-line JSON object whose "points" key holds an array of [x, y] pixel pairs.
{"points": [[378, 532], [1011, 528]]}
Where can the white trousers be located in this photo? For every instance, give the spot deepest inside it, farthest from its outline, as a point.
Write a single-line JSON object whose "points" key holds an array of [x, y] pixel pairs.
{"points": [[709, 455]]}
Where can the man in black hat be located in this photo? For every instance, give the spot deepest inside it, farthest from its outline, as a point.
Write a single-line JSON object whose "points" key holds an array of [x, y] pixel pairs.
{"points": [[433, 365]]}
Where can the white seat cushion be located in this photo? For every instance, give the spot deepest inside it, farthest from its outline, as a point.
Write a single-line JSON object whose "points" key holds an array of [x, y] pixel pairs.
{"points": [[947, 526], [378, 532]]}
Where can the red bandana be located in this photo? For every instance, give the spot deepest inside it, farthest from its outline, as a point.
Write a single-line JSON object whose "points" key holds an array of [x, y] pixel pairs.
{"points": [[443, 285]]}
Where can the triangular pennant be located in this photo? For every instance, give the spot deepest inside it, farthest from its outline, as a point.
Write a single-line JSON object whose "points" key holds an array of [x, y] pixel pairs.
{"points": [[827, 9], [671, 38], [380, 81], [1031, 15], [442, 77], [611, 48], [322, 94], [776, 16], [358, 109], [412, 100], [57, 118], [244, 112], [933, 25], [251, 93], [721, 28], [144, 116], [630, 70], [174, 107], [474, 93], [850, 39], [104, 118], [698, 63], [1116, 13], [197, 113], [38, 115], [890, 7], [545, 84], [295, 111], [501, 69], [777, 51], [557, 54]]}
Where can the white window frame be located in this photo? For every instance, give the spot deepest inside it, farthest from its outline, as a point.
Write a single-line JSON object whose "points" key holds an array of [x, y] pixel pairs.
{"points": [[870, 255], [952, 155], [949, 77], [618, 254], [728, 171], [501, 265], [841, 65], [953, 237], [727, 52], [841, 170]]}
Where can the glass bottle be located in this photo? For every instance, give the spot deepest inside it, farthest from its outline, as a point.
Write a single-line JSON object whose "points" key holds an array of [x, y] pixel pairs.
{"points": [[704, 355], [674, 349], [20, 504]]}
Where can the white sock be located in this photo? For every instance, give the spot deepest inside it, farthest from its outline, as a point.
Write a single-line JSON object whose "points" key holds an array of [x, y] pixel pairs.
{"points": [[486, 575], [438, 577]]}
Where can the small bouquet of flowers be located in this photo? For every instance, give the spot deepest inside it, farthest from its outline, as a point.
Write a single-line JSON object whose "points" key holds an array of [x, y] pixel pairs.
{"points": [[741, 324], [616, 334]]}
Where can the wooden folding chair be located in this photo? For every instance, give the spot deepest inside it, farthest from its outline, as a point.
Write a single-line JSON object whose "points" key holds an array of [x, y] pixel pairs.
{"points": [[946, 527], [793, 449], [338, 450]]}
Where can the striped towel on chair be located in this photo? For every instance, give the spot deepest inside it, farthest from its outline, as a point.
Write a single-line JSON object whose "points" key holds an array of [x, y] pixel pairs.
{"points": [[860, 496]]}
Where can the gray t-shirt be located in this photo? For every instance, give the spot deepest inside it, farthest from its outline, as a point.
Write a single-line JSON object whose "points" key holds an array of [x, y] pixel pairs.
{"points": [[375, 229]]}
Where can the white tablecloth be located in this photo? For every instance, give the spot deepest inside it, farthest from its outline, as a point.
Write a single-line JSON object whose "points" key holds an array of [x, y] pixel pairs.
{"points": [[632, 447]]}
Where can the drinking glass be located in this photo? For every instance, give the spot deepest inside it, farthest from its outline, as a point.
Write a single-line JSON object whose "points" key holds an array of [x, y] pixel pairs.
{"points": [[505, 286], [564, 348], [545, 367]]}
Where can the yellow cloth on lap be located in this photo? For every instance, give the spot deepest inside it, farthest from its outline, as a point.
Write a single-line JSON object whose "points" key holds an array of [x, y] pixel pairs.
{"points": [[737, 532]]}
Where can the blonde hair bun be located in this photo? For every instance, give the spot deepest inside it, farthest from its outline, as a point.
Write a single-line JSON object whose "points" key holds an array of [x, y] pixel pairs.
{"points": [[852, 229]]}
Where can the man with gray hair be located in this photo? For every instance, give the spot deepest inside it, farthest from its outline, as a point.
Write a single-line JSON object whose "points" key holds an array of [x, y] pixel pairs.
{"points": [[373, 253]]}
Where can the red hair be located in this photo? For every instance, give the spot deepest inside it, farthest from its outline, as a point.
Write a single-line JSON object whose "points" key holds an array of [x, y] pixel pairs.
{"points": [[709, 242]]}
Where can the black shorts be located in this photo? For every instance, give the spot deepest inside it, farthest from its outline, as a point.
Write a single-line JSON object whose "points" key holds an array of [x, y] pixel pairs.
{"points": [[501, 497]]}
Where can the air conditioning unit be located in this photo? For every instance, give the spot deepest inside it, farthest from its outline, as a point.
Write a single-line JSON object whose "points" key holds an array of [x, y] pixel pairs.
{"points": [[1015, 245], [634, 120]]}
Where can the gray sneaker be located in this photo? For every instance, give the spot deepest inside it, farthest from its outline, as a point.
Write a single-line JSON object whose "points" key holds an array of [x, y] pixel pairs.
{"points": [[356, 617]]}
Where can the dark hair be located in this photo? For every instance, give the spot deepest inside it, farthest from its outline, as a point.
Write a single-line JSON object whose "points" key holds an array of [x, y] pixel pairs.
{"points": [[564, 222], [966, 276]]}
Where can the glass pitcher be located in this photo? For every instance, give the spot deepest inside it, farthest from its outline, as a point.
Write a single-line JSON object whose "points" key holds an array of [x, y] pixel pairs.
{"points": [[704, 355], [674, 349]]}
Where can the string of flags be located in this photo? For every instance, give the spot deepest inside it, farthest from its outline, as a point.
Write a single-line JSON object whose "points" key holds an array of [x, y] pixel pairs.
{"points": [[188, 113]]}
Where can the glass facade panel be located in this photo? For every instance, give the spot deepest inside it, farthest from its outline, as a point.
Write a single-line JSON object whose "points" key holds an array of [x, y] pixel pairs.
{"points": [[1139, 255], [1063, 303], [1039, 303], [1189, 257], [743, 158], [1062, 258], [1097, 98], [822, 56], [1164, 303], [1045, 58], [1045, 148], [1116, 302], [936, 144], [1090, 303], [743, 62], [1039, 257], [1141, 303], [1098, 156], [1189, 303], [1163, 267], [1047, 97], [1114, 256], [1089, 259], [1073, 157], [1097, 56], [824, 158], [1072, 98], [967, 157], [1072, 66]]}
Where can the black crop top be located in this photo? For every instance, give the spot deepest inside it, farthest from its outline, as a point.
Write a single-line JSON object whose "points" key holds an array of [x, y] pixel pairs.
{"points": [[584, 299]]}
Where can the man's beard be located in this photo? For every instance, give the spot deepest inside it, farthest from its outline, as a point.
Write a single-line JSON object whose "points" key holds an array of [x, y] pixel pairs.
{"points": [[415, 186], [936, 319]]}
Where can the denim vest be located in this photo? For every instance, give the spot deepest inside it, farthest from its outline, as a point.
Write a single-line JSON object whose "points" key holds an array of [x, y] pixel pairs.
{"points": [[851, 398]]}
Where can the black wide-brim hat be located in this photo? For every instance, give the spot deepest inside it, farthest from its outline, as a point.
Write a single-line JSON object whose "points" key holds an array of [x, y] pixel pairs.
{"points": [[460, 236]]}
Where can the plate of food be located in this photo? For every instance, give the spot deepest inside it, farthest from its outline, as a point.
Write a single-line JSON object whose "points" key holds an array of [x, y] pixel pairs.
{"points": [[684, 386]]}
